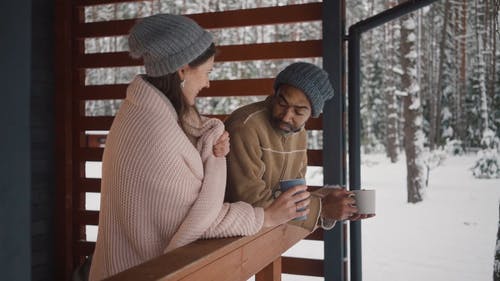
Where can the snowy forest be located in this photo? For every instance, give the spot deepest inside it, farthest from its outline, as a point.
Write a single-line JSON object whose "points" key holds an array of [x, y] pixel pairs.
{"points": [[429, 80]]}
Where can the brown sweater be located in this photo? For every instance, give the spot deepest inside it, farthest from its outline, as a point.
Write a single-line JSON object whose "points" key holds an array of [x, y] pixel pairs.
{"points": [[260, 157]]}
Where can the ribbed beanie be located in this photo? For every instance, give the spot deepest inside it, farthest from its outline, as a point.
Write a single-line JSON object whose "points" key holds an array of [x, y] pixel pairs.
{"points": [[309, 78], [166, 42]]}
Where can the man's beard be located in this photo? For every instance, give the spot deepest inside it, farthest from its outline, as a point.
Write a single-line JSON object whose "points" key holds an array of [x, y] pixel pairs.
{"points": [[285, 127]]}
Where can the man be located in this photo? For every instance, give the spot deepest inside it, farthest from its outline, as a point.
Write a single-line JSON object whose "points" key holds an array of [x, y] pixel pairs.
{"points": [[269, 144]]}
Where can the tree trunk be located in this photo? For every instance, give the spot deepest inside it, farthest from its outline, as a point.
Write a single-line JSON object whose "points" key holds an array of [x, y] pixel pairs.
{"points": [[496, 265], [481, 67], [489, 45], [368, 139], [390, 95], [461, 118], [413, 142], [493, 61], [435, 131]]}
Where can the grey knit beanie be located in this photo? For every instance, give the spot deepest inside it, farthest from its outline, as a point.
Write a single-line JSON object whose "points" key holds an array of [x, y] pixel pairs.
{"points": [[309, 78], [166, 42]]}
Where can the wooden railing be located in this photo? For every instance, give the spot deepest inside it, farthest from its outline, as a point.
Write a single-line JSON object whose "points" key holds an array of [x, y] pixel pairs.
{"points": [[228, 259]]}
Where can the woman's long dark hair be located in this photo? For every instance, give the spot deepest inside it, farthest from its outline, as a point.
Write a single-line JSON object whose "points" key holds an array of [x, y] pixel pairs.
{"points": [[170, 84]]}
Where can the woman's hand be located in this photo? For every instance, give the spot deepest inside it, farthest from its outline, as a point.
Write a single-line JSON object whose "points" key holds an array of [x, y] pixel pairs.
{"points": [[285, 207], [221, 146]]}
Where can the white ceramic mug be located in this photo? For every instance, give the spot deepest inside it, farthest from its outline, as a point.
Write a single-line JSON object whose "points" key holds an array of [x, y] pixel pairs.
{"points": [[365, 201]]}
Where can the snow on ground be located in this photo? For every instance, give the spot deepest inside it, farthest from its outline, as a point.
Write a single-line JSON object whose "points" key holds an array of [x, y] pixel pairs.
{"points": [[450, 236]]}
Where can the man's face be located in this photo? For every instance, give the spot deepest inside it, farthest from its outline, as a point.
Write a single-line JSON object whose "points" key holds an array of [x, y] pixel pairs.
{"points": [[290, 109]]}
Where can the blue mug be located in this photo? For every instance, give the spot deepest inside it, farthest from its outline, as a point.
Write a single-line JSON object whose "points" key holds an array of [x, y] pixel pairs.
{"points": [[287, 184]]}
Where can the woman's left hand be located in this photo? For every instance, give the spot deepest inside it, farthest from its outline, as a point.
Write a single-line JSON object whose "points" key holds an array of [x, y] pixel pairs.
{"points": [[221, 146]]}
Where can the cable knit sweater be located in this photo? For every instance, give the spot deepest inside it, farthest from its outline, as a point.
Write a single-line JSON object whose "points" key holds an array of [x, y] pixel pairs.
{"points": [[158, 190]]}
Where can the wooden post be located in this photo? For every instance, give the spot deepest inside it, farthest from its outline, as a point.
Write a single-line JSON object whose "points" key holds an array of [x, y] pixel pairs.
{"points": [[271, 272]]}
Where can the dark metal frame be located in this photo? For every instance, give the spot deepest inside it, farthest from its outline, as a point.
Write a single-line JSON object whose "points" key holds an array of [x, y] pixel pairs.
{"points": [[354, 120], [334, 125], [333, 131]]}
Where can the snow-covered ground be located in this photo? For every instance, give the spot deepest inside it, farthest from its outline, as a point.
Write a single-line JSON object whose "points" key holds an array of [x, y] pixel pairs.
{"points": [[450, 236]]}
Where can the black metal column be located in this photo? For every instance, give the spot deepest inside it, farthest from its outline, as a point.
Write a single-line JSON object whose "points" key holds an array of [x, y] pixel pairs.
{"points": [[354, 121], [333, 130]]}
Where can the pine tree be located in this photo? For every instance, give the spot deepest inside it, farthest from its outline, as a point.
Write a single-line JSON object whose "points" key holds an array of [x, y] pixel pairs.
{"points": [[372, 101], [435, 99], [413, 134], [390, 79], [478, 101], [460, 117], [488, 158]]}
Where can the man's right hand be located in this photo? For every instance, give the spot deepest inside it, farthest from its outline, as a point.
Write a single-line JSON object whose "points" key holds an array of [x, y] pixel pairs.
{"points": [[338, 204]]}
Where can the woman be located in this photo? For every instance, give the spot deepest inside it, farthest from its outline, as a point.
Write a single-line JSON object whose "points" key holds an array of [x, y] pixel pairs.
{"points": [[164, 167]]}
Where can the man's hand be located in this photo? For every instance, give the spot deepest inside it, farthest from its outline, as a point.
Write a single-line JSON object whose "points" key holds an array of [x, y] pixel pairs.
{"points": [[221, 147], [338, 204]]}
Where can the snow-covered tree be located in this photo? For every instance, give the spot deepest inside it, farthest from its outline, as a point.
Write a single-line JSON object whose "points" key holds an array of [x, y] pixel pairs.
{"points": [[488, 158], [372, 99], [480, 98], [413, 135], [442, 90], [461, 62], [391, 78]]}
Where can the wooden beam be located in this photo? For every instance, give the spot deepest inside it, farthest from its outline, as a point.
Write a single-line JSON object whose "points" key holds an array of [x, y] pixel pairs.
{"points": [[239, 87], [90, 154], [218, 259], [223, 19], [302, 266], [272, 272], [314, 157], [267, 51], [89, 185], [102, 92], [218, 88], [97, 2], [63, 69], [260, 16], [103, 123], [83, 249], [246, 52], [87, 217], [315, 123], [317, 235], [95, 123]]}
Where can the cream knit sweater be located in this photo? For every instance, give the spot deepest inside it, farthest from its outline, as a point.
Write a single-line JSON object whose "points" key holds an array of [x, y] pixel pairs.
{"points": [[159, 191]]}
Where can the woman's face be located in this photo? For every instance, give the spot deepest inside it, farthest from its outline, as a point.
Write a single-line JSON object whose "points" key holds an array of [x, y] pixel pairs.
{"points": [[195, 79]]}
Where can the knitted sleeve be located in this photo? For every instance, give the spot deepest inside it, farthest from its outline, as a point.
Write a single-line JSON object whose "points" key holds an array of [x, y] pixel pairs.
{"points": [[236, 219]]}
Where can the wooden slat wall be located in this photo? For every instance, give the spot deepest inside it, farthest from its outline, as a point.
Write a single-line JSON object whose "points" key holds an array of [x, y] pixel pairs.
{"points": [[225, 19], [262, 51], [224, 88], [82, 152]]}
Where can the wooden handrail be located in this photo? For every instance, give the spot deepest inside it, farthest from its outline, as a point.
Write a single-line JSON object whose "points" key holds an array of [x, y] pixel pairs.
{"points": [[221, 259]]}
